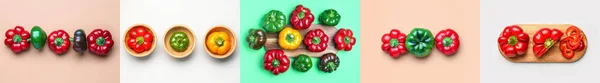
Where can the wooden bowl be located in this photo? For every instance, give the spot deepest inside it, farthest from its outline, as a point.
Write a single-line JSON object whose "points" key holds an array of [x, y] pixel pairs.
{"points": [[142, 54], [190, 35], [231, 36]]}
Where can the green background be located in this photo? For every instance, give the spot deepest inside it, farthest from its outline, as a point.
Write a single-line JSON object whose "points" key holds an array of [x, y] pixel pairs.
{"points": [[251, 63]]}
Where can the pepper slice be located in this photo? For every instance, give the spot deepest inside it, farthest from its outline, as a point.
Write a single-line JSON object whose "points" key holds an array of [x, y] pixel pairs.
{"points": [[100, 41], [179, 41], [289, 38], [329, 62], [419, 42], [394, 43], [79, 41], [344, 39], [274, 21], [256, 39], [513, 41], [38, 37], [544, 39], [302, 63], [59, 41], [276, 61], [301, 17], [572, 43], [218, 42], [140, 39], [17, 39], [316, 40], [330, 17], [446, 41]]}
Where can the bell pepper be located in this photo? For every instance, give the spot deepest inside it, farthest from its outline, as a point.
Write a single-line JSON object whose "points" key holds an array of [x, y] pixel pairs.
{"points": [[179, 41], [218, 42], [256, 39], [329, 62], [572, 43], [289, 38], [302, 63], [393, 43], [316, 40], [274, 21], [79, 41], [59, 41], [140, 39], [301, 18], [513, 41], [17, 39], [419, 42], [100, 41], [330, 17], [344, 39], [446, 41], [276, 61], [544, 39], [38, 37]]}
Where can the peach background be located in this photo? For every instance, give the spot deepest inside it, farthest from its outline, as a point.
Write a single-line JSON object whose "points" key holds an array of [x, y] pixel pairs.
{"points": [[380, 16], [35, 66]]}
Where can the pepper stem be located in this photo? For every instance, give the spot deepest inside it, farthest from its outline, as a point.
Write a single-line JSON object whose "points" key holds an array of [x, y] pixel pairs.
{"points": [[512, 40], [275, 63], [347, 39], [301, 15], [290, 38], [316, 40], [252, 38], [548, 43], [331, 66], [394, 42], [100, 41], [220, 41], [139, 40], [331, 14], [447, 41], [17, 38], [59, 41]]}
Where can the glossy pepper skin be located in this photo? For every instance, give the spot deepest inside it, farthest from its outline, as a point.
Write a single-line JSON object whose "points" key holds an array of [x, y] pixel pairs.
{"points": [[513, 41], [447, 41], [218, 42], [344, 39], [79, 41], [419, 42], [100, 41], [274, 21], [544, 39], [140, 39], [289, 39], [38, 37], [316, 40], [572, 43], [17, 39], [302, 63], [276, 61], [394, 43], [179, 41], [329, 62], [301, 18], [59, 41], [330, 17], [256, 39]]}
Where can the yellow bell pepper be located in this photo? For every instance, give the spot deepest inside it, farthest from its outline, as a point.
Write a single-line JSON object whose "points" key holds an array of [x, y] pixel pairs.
{"points": [[289, 38], [218, 43]]}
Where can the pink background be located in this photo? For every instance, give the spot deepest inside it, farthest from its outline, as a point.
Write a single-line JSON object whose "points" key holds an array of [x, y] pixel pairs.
{"points": [[35, 66]]}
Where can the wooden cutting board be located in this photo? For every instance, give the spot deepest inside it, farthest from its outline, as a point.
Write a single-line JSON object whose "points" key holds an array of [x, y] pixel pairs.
{"points": [[272, 42], [553, 55]]}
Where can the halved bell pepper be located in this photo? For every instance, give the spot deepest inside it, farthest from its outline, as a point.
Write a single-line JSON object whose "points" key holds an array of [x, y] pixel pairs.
{"points": [[330, 17], [276, 61], [301, 18], [140, 39], [419, 42], [17, 39], [100, 41], [59, 41], [513, 41], [544, 39], [80, 45], [329, 62], [446, 41], [344, 39], [316, 40], [394, 43], [218, 42], [256, 39], [38, 37], [179, 41], [289, 38], [302, 63], [274, 21]]}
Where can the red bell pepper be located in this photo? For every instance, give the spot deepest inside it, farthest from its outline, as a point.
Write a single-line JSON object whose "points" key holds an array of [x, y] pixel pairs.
{"points": [[276, 61], [344, 39], [100, 41], [393, 43], [17, 39], [513, 41], [544, 39], [140, 39], [59, 41], [316, 40], [572, 43], [446, 41], [301, 17]]}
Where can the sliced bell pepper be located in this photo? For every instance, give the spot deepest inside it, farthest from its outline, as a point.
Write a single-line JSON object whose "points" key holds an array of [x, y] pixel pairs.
{"points": [[302, 63], [100, 41], [329, 62], [59, 41], [218, 43], [140, 39], [513, 41], [289, 38], [544, 39], [572, 43], [179, 41], [316, 40], [330, 17], [447, 41], [344, 39], [38, 37], [394, 43], [274, 21], [301, 18], [419, 42], [17, 39], [276, 61], [256, 39], [79, 41]]}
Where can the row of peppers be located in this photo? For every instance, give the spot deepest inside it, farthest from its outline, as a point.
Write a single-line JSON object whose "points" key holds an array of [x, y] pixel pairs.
{"points": [[513, 41], [98, 41], [277, 62], [419, 42]]}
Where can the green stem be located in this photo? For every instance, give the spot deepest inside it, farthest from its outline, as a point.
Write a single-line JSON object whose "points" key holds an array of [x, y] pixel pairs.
{"points": [[100, 41], [347, 39], [17, 38], [220, 41], [59, 41], [290, 38], [139, 40], [512, 40], [394, 42], [275, 63], [548, 43], [316, 40], [447, 41]]}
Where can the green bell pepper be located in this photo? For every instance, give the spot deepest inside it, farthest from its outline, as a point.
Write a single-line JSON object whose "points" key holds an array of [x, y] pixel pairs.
{"points": [[274, 21], [330, 17], [419, 42], [303, 63], [38, 37], [179, 41]]}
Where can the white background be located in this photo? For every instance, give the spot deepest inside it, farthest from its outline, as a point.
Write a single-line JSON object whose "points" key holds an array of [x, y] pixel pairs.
{"points": [[200, 16], [497, 14]]}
